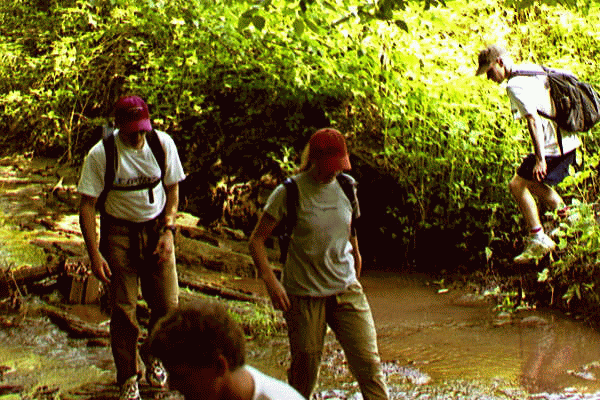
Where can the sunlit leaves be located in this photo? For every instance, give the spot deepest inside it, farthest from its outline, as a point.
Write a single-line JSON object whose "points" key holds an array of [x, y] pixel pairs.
{"points": [[299, 27]]}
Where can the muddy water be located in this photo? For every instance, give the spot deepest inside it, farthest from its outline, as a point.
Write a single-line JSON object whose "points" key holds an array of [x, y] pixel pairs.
{"points": [[446, 336], [451, 336]]}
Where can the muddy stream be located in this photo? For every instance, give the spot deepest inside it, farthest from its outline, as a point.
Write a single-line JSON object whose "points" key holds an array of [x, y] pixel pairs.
{"points": [[435, 344]]}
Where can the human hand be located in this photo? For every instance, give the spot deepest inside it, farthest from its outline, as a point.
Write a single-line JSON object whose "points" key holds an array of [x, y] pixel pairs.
{"points": [[100, 268], [540, 170], [278, 295], [164, 247]]}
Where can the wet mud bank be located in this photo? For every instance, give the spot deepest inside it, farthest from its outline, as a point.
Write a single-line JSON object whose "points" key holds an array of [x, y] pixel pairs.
{"points": [[434, 344]]}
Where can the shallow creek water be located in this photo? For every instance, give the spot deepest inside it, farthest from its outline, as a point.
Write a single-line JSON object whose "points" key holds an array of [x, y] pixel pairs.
{"points": [[443, 336], [450, 336]]}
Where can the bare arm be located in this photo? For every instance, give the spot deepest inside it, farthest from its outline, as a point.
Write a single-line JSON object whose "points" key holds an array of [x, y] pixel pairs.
{"points": [[539, 171], [356, 254], [258, 251], [87, 222], [165, 245], [172, 204]]}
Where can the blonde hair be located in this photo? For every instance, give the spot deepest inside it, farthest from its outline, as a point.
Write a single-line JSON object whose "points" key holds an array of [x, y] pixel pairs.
{"points": [[304, 160]]}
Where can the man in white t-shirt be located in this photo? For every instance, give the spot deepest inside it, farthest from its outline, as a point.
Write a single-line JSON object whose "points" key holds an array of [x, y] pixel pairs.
{"points": [[133, 178], [203, 350], [546, 166]]}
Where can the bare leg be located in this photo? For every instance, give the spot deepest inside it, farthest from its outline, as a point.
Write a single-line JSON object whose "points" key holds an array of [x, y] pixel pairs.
{"points": [[519, 188], [523, 190]]}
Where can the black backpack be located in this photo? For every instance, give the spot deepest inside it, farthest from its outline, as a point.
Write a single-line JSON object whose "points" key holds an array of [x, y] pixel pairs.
{"points": [[112, 162], [577, 104], [292, 202]]}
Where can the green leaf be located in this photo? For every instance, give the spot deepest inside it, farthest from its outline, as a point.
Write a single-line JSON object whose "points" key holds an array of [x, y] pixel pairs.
{"points": [[259, 22], [250, 12], [312, 26], [244, 22], [488, 253], [298, 27], [401, 24]]}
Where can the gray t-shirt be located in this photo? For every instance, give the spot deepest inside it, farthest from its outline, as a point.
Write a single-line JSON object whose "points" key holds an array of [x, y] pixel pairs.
{"points": [[320, 260]]}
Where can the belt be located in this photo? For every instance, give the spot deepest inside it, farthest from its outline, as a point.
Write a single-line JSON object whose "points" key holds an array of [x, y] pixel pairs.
{"points": [[107, 219]]}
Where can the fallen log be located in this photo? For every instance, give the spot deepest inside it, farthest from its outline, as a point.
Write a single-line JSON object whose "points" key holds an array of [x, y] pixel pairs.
{"points": [[11, 278], [10, 389], [196, 233], [220, 291], [195, 253], [73, 325]]}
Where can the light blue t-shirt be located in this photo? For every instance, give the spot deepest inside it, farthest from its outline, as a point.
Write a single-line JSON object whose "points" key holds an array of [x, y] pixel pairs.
{"points": [[320, 260]]}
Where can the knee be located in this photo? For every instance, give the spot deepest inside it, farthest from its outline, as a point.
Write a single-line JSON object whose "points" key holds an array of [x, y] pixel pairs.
{"points": [[516, 185]]}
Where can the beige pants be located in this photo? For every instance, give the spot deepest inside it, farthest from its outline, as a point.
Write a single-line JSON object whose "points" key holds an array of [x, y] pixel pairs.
{"points": [[349, 316], [128, 250]]}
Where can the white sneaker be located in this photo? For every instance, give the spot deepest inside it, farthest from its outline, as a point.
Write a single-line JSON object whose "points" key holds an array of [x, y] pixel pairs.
{"points": [[156, 374], [537, 247], [130, 389]]}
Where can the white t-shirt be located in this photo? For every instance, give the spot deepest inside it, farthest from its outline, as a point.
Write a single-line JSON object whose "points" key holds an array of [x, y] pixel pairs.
{"points": [[135, 167], [269, 388], [527, 95], [320, 260]]}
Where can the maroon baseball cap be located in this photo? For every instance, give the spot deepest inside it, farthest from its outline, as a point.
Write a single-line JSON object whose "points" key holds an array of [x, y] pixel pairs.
{"points": [[131, 115], [328, 148]]}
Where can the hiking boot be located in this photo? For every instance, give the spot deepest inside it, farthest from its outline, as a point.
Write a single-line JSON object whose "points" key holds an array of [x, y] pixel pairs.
{"points": [[130, 389], [156, 374], [537, 247]]}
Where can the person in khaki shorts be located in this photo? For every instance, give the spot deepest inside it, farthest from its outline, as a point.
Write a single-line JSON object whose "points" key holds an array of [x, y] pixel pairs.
{"points": [[320, 286], [136, 231]]}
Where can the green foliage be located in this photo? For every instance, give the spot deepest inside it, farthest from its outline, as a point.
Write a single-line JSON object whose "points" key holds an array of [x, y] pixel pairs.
{"points": [[572, 279], [241, 87]]}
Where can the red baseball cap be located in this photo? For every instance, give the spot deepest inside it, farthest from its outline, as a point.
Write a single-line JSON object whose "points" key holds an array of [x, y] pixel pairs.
{"points": [[328, 148], [131, 115]]}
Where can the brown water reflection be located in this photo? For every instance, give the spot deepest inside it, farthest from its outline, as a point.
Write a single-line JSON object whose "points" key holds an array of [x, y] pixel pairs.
{"points": [[451, 336]]}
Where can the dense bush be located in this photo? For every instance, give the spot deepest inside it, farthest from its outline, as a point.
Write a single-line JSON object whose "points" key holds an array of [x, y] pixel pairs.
{"points": [[242, 86]]}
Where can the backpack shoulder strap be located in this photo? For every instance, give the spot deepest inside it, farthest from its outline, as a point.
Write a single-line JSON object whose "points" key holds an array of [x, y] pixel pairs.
{"points": [[292, 200], [158, 151], [110, 149], [551, 74], [517, 72], [348, 185]]}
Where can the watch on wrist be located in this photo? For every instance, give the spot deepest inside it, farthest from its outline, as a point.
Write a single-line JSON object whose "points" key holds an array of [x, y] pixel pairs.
{"points": [[171, 228]]}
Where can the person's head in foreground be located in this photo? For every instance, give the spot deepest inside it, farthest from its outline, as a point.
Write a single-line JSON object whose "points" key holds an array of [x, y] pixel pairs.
{"points": [[326, 154], [203, 350]]}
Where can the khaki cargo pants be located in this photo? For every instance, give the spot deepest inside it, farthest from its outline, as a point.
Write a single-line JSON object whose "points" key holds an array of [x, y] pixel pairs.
{"points": [[349, 316], [128, 248]]}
